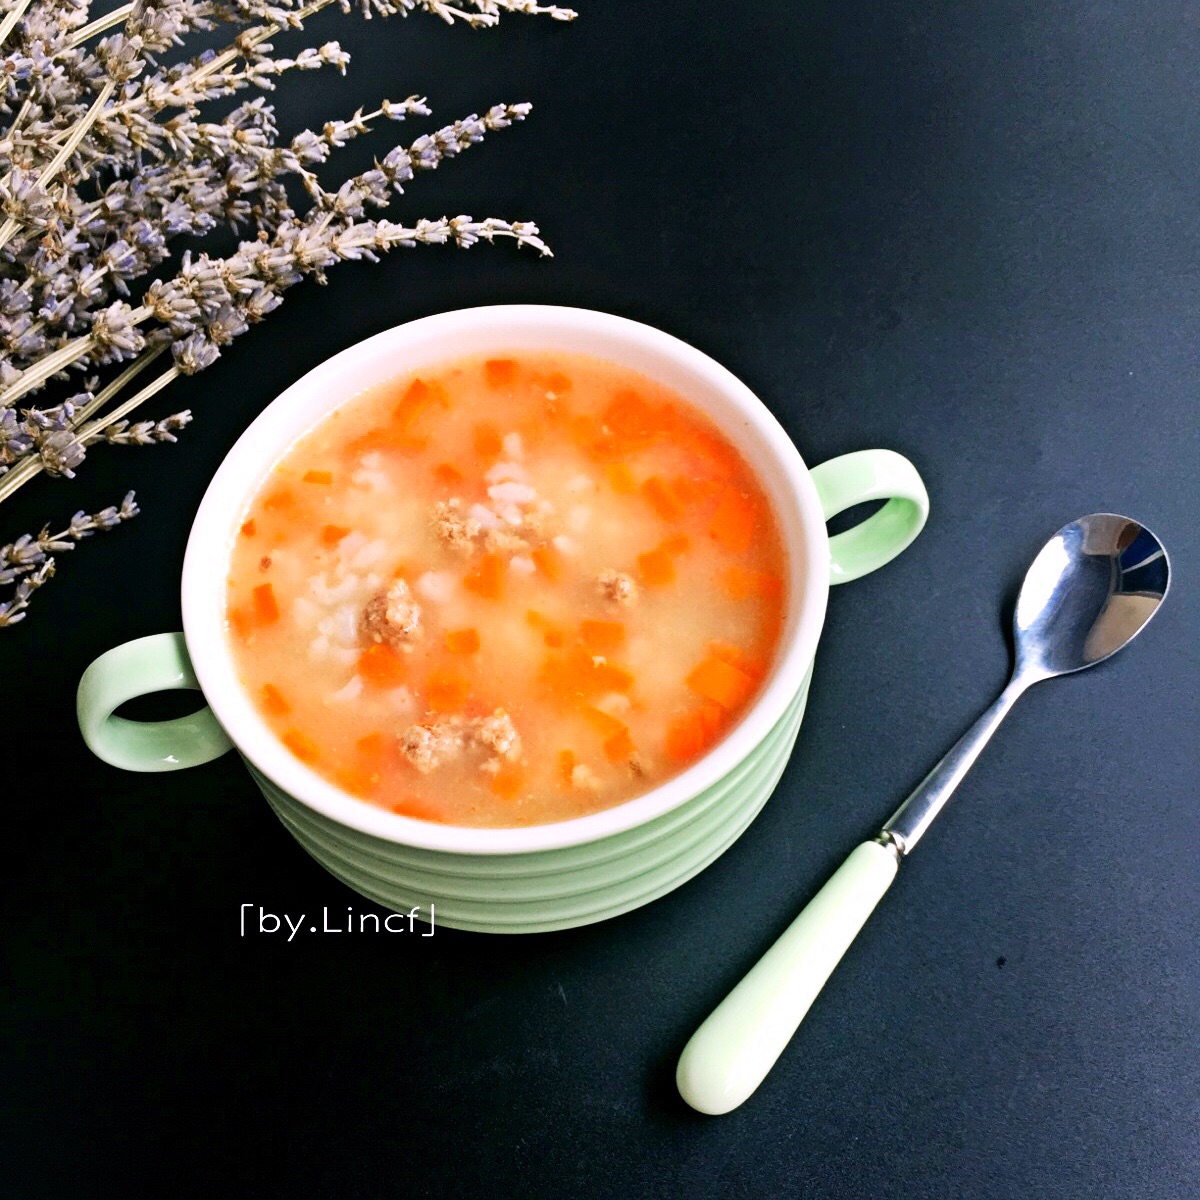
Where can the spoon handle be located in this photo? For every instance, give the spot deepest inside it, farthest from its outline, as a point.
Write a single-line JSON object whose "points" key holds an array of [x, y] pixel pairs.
{"points": [[906, 825], [731, 1053]]}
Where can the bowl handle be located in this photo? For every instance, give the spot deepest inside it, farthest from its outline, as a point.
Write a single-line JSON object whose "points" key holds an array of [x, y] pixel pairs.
{"points": [[157, 663], [870, 475]]}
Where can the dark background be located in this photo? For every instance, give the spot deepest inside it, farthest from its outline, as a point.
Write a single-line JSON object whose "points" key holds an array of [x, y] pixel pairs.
{"points": [[969, 232]]}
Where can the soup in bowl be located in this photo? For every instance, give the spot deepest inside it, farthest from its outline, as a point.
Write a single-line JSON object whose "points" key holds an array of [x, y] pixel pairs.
{"points": [[510, 612]]}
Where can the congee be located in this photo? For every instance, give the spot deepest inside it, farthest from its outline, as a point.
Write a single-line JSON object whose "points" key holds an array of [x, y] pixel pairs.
{"points": [[506, 591]]}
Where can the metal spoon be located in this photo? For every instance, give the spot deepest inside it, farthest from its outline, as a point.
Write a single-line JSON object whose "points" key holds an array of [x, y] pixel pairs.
{"points": [[1090, 590]]}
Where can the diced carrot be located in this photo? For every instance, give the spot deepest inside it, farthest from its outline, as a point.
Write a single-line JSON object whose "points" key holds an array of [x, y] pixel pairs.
{"points": [[371, 760], [549, 562], [619, 747], [248, 528], [685, 739], [448, 474], [711, 454], [381, 667], [711, 717], [322, 477], [566, 766], [279, 498], [414, 806], [732, 525], [685, 490], [608, 677], [677, 543], [715, 679], [446, 691], [741, 583], [690, 735], [462, 641], [605, 724], [332, 534], [274, 701], [631, 417], [508, 782], [300, 745], [488, 442], [500, 372], [658, 494], [240, 622], [266, 607], [358, 781], [416, 399], [602, 637], [620, 478], [558, 383], [487, 580], [397, 441], [726, 652], [372, 747], [657, 568]]}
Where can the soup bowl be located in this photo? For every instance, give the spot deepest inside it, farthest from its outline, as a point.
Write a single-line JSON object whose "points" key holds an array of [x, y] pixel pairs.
{"points": [[536, 877]]}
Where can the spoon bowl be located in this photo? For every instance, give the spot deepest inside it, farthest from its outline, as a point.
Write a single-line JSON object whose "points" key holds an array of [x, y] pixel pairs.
{"points": [[1090, 590]]}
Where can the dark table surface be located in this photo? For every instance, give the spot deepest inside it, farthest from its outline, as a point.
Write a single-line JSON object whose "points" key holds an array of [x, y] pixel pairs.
{"points": [[967, 232]]}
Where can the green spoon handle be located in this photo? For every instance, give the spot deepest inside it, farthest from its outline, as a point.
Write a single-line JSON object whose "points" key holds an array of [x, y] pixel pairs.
{"points": [[731, 1053]]}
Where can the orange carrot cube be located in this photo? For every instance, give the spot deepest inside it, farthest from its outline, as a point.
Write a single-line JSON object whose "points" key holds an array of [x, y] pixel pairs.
{"points": [[446, 691], [620, 478], [741, 583], [416, 399], [605, 724], [661, 500], [321, 477], [549, 562], [248, 528], [448, 474], [488, 442], [732, 525], [602, 637], [608, 677], [487, 580], [721, 682], [500, 372], [273, 701], [462, 641], [508, 782], [421, 810], [332, 534], [656, 568], [266, 607], [619, 747], [300, 745], [381, 667]]}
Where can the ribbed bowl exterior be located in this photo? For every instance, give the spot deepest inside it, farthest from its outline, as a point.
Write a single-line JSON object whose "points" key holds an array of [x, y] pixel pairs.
{"points": [[550, 889]]}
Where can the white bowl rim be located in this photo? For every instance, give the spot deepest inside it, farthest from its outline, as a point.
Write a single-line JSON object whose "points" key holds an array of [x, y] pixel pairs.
{"points": [[240, 474]]}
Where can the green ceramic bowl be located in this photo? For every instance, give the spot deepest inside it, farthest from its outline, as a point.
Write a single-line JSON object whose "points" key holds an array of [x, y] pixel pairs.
{"points": [[538, 877]]}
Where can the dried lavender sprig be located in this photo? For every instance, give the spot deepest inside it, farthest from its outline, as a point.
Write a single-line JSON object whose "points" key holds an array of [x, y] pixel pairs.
{"points": [[12, 612], [28, 561], [144, 433], [114, 333], [13, 15], [12, 224]]}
